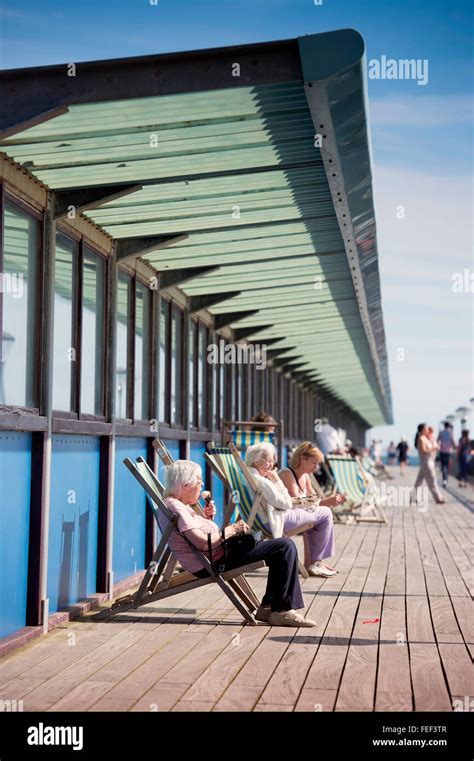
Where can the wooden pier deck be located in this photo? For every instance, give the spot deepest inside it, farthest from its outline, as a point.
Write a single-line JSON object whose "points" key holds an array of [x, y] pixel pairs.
{"points": [[394, 633]]}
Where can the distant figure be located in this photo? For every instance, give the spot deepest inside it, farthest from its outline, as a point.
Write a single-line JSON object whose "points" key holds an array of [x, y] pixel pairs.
{"points": [[427, 467], [263, 417], [417, 434], [464, 453], [374, 451], [447, 446], [328, 439], [403, 448], [392, 453]]}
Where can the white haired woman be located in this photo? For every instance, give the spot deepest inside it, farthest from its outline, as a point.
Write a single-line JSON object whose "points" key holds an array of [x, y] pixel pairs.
{"points": [[283, 594], [280, 514]]}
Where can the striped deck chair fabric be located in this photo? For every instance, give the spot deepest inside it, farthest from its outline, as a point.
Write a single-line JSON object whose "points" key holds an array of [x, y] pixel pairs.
{"points": [[243, 439], [348, 478], [236, 480]]}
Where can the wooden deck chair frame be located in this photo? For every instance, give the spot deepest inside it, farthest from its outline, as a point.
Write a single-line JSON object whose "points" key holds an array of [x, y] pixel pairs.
{"points": [[155, 586], [228, 426], [365, 509], [258, 498], [163, 453], [339, 516]]}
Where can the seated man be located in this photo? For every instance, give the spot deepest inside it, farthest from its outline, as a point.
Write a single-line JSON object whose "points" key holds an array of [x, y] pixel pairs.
{"points": [[282, 597], [285, 497], [328, 439]]}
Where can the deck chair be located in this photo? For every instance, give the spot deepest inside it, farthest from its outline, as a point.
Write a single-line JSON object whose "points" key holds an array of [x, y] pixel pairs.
{"points": [[349, 478], [158, 583], [245, 433], [236, 477], [339, 516]]}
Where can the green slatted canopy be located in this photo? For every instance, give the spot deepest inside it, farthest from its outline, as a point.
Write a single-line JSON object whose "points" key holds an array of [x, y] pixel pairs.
{"points": [[237, 169]]}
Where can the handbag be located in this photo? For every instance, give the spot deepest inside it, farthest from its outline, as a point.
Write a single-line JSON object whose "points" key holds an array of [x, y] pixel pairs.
{"points": [[235, 548]]}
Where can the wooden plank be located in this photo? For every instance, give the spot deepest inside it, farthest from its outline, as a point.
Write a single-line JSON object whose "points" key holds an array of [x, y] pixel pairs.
{"points": [[463, 610], [329, 662], [316, 700], [429, 687]]}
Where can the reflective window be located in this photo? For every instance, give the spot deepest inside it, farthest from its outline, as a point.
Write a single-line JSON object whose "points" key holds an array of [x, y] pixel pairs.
{"points": [[176, 366], [142, 351], [163, 359], [65, 349], [92, 345], [18, 289], [203, 378], [193, 329], [123, 322]]}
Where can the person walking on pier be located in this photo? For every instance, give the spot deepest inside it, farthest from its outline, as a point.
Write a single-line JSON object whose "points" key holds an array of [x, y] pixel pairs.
{"points": [[464, 453], [427, 472], [446, 447], [403, 448]]}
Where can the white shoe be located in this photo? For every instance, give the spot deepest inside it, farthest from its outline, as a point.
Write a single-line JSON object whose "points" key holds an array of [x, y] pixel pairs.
{"points": [[319, 569], [289, 618]]}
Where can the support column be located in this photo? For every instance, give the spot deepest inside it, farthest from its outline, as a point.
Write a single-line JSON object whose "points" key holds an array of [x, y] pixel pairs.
{"points": [[109, 464], [46, 404]]}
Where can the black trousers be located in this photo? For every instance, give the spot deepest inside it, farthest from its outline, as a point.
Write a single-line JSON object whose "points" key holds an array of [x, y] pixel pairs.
{"points": [[444, 458], [283, 590]]}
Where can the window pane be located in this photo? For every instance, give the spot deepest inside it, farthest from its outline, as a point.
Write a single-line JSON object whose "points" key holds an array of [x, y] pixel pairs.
{"points": [[162, 374], [176, 366], [202, 377], [64, 348], [142, 352], [123, 319], [192, 371], [92, 334], [222, 392], [18, 288]]}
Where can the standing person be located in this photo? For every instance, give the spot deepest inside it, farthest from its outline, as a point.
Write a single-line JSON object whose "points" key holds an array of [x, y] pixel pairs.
{"points": [[446, 447], [427, 467], [392, 453], [403, 448], [374, 451], [464, 453]]}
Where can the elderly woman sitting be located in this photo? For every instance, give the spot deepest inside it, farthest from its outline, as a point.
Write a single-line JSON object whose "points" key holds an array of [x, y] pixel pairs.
{"points": [[283, 594], [285, 510]]}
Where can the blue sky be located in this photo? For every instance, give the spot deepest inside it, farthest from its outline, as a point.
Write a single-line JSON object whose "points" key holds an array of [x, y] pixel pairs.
{"points": [[421, 136]]}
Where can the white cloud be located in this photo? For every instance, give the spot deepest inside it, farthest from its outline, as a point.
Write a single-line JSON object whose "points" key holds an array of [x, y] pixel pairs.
{"points": [[417, 257], [422, 110]]}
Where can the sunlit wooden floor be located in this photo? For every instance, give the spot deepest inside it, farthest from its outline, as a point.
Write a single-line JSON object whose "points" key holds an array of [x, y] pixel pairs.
{"points": [[394, 633]]}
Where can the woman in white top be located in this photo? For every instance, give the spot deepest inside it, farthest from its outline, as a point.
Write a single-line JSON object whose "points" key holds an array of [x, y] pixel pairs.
{"points": [[427, 452], [282, 512]]}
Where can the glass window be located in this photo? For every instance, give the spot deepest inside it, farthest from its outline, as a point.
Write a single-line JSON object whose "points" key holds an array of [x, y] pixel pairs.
{"points": [[123, 322], [203, 377], [18, 322], [238, 392], [221, 385], [92, 345], [176, 366], [192, 372], [142, 352], [163, 357], [64, 357]]}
